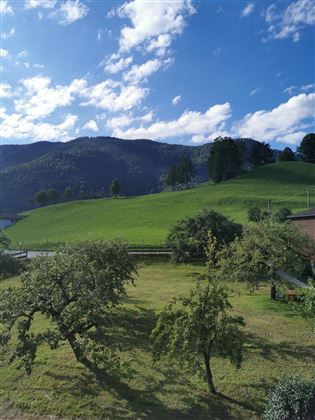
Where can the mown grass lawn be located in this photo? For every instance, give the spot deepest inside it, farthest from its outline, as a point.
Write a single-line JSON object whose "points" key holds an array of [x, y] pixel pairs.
{"points": [[278, 343], [145, 220]]}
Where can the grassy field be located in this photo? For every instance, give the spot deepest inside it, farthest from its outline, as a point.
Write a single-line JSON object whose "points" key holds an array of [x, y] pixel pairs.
{"points": [[145, 220], [278, 343]]}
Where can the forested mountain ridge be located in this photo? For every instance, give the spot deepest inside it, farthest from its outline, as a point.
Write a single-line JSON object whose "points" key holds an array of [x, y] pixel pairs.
{"points": [[89, 164]]}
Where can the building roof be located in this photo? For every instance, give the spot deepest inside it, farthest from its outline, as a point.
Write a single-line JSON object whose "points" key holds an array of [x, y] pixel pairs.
{"points": [[12, 216], [307, 214]]}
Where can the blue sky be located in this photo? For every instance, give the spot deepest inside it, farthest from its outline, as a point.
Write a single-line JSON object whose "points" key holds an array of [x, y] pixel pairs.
{"points": [[176, 71]]}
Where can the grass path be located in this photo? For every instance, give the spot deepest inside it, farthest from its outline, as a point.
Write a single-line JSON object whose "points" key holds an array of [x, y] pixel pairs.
{"points": [[278, 343]]}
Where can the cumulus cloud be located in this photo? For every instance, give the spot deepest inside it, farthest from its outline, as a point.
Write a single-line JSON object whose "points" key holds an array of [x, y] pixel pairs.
{"points": [[5, 8], [188, 124], [139, 72], [291, 21], [15, 126], [113, 96], [119, 122], [281, 123], [40, 98], [70, 11], [176, 100], [153, 25], [90, 125], [5, 90], [5, 54], [115, 63], [6, 35], [248, 10], [44, 4]]}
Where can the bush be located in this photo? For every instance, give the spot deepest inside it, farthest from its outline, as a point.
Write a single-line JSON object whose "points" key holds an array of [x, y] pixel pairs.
{"points": [[255, 214], [188, 238], [293, 398], [9, 266]]}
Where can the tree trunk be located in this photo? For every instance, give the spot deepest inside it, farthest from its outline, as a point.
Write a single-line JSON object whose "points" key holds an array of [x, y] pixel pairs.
{"points": [[273, 291], [209, 374], [78, 352]]}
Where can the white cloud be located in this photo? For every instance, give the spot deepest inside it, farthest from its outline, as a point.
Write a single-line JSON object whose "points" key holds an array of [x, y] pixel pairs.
{"points": [[16, 127], [308, 88], [5, 8], [38, 66], [254, 91], [40, 99], [282, 122], [6, 35], [248, 10], [70, 11], [90, 125], [4, 54], [176, 100], [139, 72], [291, 21], [290, 90], [115, 63], [44, 4], [5, 90], [119, 122], [150, 20], [188, 124], [22, 54], [113, 96]]}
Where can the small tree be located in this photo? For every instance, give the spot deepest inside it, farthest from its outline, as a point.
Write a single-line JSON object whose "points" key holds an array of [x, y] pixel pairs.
{"points": [[287, 155], [265, 248], [188, 238], [224, 161], [78, 290], [255, 214], [195, 328], [293, 398], [282, 214], [171, 178], [307, 148], [261, 154], [67, 193], [115, 187], [185, 171], [53, 195], [41, 198], [8, 264]]}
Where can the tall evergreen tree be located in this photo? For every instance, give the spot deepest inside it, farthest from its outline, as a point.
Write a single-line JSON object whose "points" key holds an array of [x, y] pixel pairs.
{"points": [[185, 171], [287, 155], [307, 148], [115, 187], [224, 162], [171, 177]]}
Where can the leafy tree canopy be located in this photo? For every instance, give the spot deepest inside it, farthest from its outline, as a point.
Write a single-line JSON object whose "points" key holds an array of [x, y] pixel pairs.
{"points": [[78, 290], [263, 249], [224, 161], [188, 237], [293, 398], [53, 194], [192, 329], [41, 198], [307, 148], [287, 155]]}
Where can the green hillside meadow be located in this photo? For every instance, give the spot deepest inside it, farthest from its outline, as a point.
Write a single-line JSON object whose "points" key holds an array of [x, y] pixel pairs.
{"points": [[145, 220]]}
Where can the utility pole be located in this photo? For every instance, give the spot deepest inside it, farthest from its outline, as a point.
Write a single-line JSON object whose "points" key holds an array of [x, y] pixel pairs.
{"points": [[308, 195]]}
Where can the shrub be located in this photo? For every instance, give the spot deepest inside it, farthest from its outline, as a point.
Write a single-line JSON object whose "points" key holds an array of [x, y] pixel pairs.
{"points": [[293, 398]]}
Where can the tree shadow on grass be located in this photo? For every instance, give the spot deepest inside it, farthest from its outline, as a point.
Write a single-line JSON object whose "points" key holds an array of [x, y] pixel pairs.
{"points": [[283, 350], [145, 389]]}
